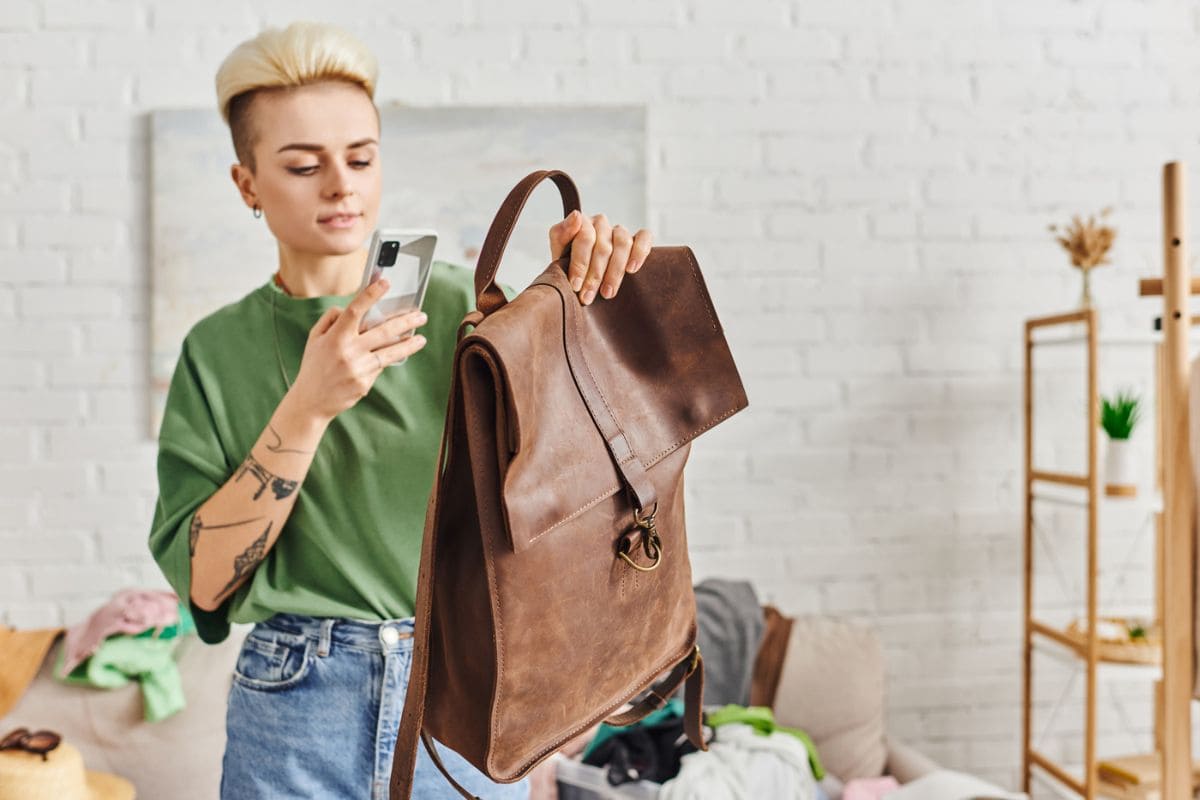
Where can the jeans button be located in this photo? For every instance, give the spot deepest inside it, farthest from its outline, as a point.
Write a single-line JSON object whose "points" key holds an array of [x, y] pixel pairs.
{"points": [[389, 635]]}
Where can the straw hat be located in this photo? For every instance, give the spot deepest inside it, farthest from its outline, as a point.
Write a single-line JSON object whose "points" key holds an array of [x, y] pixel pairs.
{"points": [[23, 653], [25, 776]]}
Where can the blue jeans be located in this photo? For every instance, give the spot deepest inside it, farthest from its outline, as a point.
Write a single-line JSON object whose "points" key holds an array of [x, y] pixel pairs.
{"points": [[314, 710]]}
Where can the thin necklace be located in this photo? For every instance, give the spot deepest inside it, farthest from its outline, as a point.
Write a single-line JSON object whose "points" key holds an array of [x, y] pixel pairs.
{"points": [[275, 330]]}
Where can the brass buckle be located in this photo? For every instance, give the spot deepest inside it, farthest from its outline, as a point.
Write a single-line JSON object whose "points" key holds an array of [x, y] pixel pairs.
{"points": [[649, 540]]}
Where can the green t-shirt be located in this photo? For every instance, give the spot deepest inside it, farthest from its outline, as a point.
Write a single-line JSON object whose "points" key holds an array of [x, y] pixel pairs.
{"points": [[351, 546]]}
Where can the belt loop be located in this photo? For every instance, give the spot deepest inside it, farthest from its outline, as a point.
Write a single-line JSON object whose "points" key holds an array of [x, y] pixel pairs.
{"points": [[326, 636]]}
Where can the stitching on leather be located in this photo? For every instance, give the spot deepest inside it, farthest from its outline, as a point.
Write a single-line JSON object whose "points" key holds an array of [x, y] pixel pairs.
{"points": [[713, 318], [633, 454], [583, 356], [712, 313], [671, 447], [575, 513]]}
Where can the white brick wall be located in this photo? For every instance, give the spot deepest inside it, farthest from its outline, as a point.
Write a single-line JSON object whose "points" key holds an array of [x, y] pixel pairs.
{"points": [[867, 187]]}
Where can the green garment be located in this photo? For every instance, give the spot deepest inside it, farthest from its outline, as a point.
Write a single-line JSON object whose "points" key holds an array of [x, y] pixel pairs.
{"points": [[351, 546], [673, 708], [121, 658], [147, 656], [762, 720]]}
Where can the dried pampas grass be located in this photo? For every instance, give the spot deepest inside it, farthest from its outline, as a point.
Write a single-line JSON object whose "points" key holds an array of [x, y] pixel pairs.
{"points": [[1087, 242]]}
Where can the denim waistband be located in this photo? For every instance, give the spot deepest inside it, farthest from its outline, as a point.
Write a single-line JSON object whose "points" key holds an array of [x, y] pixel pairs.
{"points": [[380, 635]]}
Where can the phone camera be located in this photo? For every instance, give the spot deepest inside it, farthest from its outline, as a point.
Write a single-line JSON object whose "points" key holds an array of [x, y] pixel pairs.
{"points": [[387, 254]]}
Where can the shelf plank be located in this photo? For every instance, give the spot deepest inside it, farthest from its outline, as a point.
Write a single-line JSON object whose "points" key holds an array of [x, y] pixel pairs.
{"points": [[1067, 652], [1057, 319], [1063, 478]]}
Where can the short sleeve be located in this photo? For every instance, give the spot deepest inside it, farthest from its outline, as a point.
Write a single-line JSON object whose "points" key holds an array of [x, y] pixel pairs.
{"points": [[191, 467]]}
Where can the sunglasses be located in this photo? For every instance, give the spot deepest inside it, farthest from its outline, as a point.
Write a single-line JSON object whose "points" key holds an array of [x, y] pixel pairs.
{"points": [[37, 742]]}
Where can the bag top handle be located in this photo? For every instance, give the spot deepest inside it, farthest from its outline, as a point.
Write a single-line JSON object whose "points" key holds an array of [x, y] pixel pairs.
{"points": [[488, 297]]}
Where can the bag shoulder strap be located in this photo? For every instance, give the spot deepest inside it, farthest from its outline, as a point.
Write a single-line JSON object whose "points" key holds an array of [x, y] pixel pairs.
{"points": [[404, 759]]}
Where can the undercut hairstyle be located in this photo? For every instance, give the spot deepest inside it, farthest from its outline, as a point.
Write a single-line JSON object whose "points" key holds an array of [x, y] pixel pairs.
{"points": [[277, 60]]}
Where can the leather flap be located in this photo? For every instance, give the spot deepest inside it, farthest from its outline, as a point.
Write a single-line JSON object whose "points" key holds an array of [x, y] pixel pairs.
{"points": [[655, 352]]}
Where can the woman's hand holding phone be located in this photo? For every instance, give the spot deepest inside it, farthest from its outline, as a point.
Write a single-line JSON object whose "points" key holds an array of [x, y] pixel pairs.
{"points": [[340, 365]]}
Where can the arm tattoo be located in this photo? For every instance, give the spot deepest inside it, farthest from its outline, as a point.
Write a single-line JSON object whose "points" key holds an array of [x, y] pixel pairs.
{"points": [[197, 526], [244, 564], [282, 487], [275, 448]]}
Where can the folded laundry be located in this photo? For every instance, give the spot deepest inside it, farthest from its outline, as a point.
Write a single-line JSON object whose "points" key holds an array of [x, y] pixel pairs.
{"points": [[128, 611]]}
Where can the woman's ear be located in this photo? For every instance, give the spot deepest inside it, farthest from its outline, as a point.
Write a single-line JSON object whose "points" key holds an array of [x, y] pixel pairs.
{"points": [[244, 181]]}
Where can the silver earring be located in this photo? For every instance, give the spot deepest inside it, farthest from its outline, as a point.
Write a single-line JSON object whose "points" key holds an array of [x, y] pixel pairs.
{"points": [[257, 212]]}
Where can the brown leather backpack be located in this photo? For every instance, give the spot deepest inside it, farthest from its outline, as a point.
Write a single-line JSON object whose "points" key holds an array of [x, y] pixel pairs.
{"points": [[555, 584]]}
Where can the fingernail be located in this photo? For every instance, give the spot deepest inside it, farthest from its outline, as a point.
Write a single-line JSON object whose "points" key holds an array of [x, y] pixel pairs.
{"points": [[607, 291], [420, 339], [381, 284], [634, 266], [574, 215], [589, 296], [421, 317], [576, 284]]}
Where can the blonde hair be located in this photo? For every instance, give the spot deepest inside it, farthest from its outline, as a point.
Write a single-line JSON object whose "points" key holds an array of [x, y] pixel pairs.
{"points": [[302, 53]]}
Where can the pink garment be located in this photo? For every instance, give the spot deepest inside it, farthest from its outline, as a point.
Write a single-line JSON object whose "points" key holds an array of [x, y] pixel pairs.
{"points": [[129, 611], [869, 788]]}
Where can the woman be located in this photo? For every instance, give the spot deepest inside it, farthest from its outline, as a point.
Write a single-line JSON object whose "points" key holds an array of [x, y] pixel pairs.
{"points": [[293, 465]]}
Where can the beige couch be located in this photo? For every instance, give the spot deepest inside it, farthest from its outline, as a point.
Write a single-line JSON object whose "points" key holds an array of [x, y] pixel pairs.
{"points": [[178, 758], [831, 685]]}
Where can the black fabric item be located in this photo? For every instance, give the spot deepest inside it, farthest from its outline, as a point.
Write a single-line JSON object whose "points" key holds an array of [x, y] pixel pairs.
{"points": [[645, 752], [730, 630]]}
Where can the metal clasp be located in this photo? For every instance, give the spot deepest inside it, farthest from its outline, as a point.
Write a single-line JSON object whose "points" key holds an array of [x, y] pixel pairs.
{"points": [[646, 535]]}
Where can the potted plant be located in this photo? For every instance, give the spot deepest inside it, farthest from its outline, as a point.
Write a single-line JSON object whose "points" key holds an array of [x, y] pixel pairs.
{"points": [[1119, 416], [1088, 244]]}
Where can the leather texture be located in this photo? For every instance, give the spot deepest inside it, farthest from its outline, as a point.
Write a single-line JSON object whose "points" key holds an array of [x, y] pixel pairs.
{"points": [[566, 426]]}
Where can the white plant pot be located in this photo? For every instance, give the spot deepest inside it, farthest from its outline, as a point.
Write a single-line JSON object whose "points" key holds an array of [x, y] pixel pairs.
{"points": [[1119, 470]]}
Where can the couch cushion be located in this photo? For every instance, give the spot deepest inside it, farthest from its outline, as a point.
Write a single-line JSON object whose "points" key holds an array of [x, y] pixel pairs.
{"points": [[179, 757], [831, 686]]}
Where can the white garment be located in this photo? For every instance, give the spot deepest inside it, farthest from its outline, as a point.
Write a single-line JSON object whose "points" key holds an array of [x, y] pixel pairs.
{"points": [[743, 764]]}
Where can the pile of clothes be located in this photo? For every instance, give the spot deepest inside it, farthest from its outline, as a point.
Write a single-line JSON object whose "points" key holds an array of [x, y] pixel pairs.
{"points": [[748, 755], [133, 636]]}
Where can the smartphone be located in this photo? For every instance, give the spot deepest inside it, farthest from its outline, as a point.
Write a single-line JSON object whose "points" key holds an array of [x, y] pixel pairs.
{"points": [[403, 256]]}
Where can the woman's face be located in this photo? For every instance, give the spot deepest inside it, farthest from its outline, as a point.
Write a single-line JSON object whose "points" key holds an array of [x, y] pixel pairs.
{"points": [[316, 156]]}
